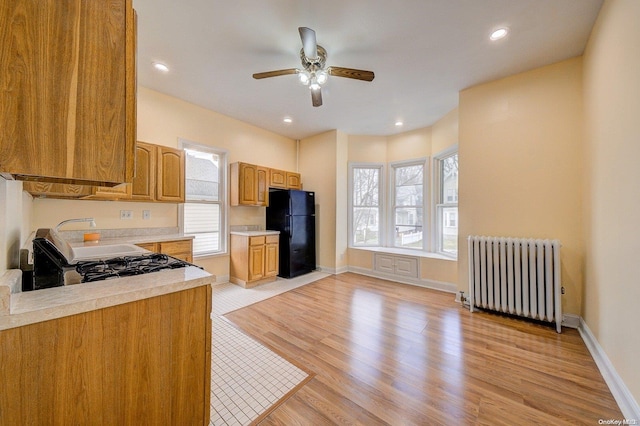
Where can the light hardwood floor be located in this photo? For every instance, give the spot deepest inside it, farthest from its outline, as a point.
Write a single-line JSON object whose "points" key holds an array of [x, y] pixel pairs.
{"points": [[388, 353]]}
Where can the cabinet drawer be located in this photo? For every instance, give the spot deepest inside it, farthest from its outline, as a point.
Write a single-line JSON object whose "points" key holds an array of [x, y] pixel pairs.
{"points": [[256, 241], [272, 239], [148, 246], [169, 247]]}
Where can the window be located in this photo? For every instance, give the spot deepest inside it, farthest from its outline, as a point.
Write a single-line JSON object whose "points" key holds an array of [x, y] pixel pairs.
{"points": [[366, 185], [408, 204], [203, 213], [446, 201]]}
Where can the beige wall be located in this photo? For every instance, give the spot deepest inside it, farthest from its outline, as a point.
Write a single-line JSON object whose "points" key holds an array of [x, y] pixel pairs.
{"points": [[409, 145], [521, 157], [318, 167], [612, 112], [444, 133]]}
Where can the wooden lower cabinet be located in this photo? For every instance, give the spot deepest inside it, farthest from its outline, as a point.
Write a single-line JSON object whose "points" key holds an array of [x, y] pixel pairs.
{"points": [[144, 362], [254, 259], [180, 249]]}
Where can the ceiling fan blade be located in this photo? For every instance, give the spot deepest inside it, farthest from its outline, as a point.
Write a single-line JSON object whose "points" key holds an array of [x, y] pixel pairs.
{"points": [[309, 45], [316, 97], [268, 74], [351, 73]]}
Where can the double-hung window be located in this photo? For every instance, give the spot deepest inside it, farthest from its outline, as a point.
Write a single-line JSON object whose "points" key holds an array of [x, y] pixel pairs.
{"points": [[203, 213], [408, 209], [446, 201], [366, 204]]}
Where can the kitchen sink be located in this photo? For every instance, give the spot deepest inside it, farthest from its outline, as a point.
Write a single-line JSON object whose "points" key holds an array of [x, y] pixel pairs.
{"points": [[106, 251]]}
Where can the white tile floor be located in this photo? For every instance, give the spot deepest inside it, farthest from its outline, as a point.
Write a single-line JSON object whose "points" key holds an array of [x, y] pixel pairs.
{"points": [[246, 377]]}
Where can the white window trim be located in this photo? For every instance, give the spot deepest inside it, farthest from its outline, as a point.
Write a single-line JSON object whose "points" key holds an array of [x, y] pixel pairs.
{"points": [[437, 202], [426, 210], [381, 203], [222, 192]]}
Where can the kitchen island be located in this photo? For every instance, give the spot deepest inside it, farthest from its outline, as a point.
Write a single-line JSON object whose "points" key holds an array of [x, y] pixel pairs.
{"points": [[133, 350]]}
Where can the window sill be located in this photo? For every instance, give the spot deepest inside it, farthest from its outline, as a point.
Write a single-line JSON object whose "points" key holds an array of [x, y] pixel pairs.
{"points": [[208, 255], [407, 252]]}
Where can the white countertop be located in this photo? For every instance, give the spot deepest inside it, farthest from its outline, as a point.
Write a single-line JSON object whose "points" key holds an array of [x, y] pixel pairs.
{"points": [[254, 233], [23, 308]]}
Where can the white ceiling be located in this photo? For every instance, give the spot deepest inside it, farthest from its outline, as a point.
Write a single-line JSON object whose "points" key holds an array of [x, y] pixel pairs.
{"points": [[423, 52]]}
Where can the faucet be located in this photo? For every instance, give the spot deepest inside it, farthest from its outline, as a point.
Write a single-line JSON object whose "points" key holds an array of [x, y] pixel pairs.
{"points": [[92, 222]]}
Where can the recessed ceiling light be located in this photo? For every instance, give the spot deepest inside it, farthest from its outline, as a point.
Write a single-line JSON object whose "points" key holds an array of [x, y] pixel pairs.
{"points": [[288, 120], [498, 34], [399, 123], [160, 67]]}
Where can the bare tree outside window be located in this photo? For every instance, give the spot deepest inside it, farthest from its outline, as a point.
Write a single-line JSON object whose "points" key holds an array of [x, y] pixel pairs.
{"points": [[447, 204], [366, 206], [409, 205]]}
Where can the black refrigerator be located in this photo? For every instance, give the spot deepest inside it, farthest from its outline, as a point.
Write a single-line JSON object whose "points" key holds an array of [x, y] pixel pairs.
{"points": [[292, 212]]}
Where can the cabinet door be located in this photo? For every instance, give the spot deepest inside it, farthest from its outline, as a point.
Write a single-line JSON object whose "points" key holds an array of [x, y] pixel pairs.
{"points": [[262, 175], [277, 178], [144, 183], [293, 181], [384, 263], [247, 184], [170, 175], [256, 262], [68, 98], [271, 256]]}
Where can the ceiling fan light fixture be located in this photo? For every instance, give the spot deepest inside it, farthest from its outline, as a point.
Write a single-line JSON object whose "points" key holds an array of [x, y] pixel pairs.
{"points": [[314, 84], [321, 76], [304, 77]]}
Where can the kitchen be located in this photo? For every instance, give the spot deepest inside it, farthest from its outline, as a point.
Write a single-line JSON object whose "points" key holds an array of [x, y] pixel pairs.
{"points": [[162, 119]]}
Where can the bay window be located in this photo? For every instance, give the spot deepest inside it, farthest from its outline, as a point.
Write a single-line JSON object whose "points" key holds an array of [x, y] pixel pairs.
{"points": [[366, 199], [408, 180]]}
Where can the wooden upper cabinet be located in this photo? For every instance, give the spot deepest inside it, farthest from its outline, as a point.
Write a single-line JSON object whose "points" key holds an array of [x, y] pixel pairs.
{"points": [[249, 185], [293, 181], [144, 182], [262, 174], [68, 97], [56, 190], [170, 174], [284, 180], [277, 178]]}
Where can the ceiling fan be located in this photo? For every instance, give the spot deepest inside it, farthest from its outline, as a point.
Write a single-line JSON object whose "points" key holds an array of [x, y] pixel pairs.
{"points": [[314, 74]]}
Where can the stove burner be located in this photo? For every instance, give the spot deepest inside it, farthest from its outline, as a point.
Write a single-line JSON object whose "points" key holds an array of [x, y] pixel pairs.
{"points": [[127, 266]]}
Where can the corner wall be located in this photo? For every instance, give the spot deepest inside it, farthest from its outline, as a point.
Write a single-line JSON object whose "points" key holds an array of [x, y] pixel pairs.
{"points": [[612, 111], [318, 165]]}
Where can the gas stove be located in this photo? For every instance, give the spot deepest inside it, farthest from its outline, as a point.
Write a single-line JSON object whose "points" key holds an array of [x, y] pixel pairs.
{"points": [[90, 271], [52, 268]]}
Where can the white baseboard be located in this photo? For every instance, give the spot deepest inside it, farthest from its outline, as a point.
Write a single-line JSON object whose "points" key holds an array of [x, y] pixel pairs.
{"points": [[432, 284], [571, 320], [628, 405], [333, 271]]}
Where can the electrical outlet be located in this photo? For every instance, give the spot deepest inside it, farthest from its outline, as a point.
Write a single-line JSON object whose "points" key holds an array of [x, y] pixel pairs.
{"points": [[146, 214], [126, 214]]}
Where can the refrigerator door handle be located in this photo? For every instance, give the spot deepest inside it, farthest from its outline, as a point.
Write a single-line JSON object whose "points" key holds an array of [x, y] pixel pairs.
{"points": [[290, 227]]}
